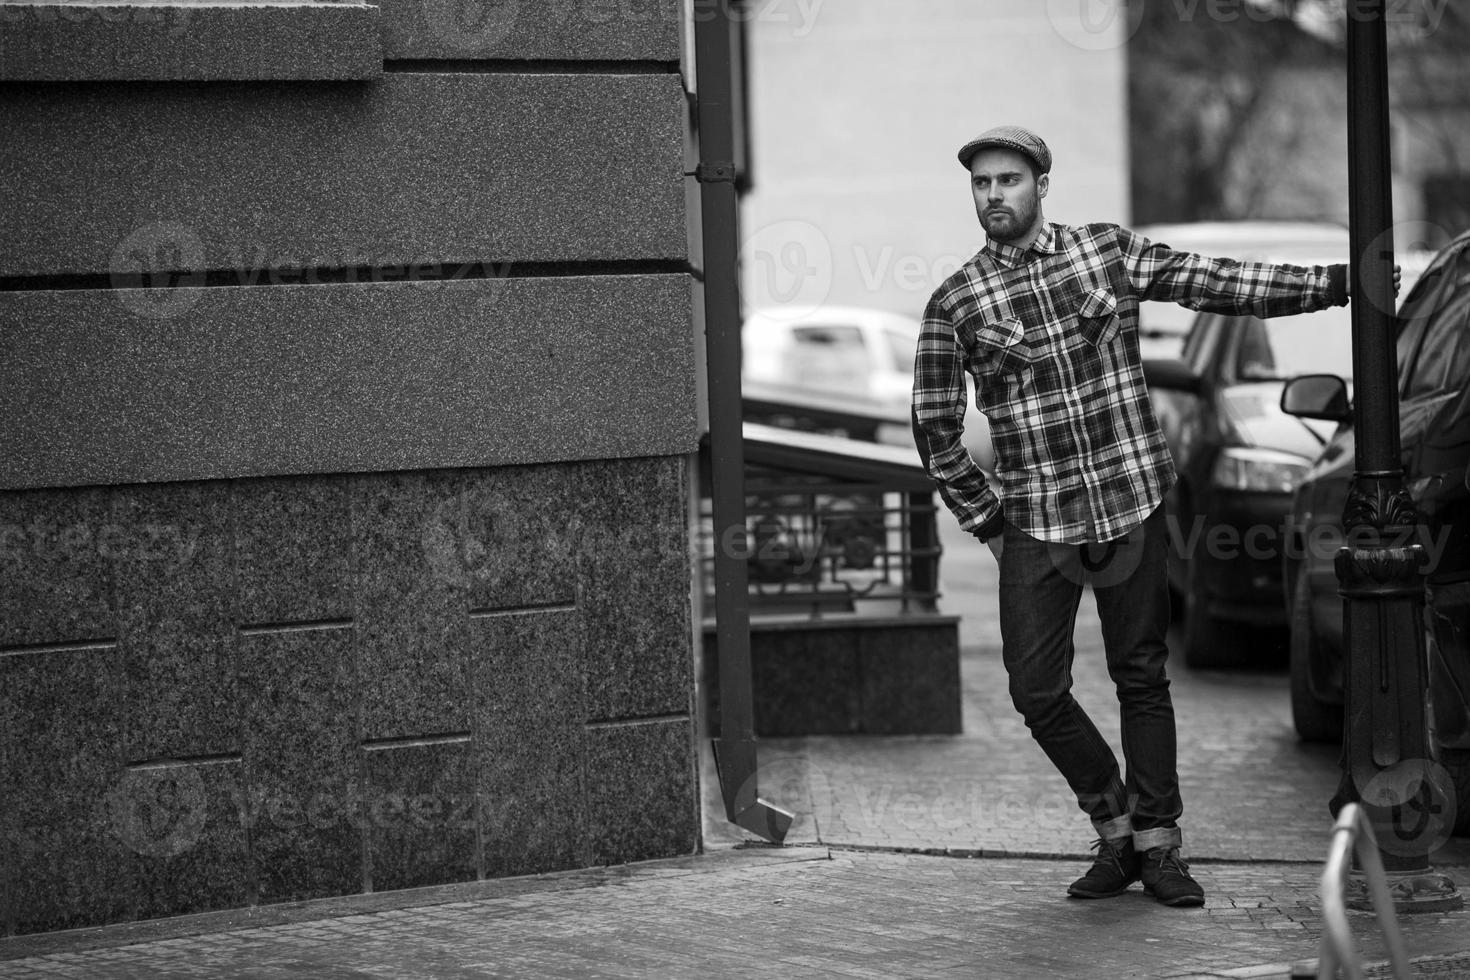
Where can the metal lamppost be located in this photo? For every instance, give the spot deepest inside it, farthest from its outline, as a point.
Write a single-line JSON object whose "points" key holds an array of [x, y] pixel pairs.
{"points": [[1387, 757]]}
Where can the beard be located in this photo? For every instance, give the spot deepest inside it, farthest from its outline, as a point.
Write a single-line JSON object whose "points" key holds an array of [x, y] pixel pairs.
{"points": [[1007, 224]]}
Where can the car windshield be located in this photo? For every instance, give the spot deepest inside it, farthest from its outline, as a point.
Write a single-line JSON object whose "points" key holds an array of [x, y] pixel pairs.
{"points": [[1306, 343]]}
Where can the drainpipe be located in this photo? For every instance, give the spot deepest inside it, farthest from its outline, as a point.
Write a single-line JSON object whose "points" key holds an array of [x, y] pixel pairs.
{"points": [[1387, 758], [735, 751]]}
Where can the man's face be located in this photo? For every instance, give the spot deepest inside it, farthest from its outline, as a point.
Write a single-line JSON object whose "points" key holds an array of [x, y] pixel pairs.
{"points": [[1007, 196]]}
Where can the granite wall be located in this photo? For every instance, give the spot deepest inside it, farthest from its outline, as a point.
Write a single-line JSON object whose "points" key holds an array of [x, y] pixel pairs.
{"points": [[348, 387], [228, 692]]}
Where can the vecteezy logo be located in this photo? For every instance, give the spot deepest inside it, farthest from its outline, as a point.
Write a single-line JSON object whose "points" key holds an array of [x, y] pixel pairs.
{"points": [[790, 263], [1094, 25], [154, 267], [471, 24], [1100, 564], [790, 783], [1411, 243], [453, 555], [473, 539], [1412, 805], [158, 811]]}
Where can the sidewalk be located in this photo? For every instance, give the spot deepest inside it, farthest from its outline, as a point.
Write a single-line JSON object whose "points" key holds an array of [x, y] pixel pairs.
{"points": [[911, 857], [798, 912]]}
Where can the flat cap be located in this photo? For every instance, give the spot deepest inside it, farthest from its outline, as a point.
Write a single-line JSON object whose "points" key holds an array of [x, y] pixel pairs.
{"points": [[1016, 138]]}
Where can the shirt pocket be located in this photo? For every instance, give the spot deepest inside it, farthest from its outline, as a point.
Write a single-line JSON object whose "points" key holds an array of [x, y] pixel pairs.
{"points": [[1097, 316], [1002, 346]]}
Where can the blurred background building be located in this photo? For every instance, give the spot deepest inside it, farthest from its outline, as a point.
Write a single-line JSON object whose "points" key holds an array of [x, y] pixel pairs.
{"points": [[1156, 111], [856, 116]]}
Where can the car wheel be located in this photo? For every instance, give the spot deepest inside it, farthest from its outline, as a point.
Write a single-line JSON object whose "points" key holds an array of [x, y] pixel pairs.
{"points": [[1457, 763], [1315, 720], [1203, 635]]}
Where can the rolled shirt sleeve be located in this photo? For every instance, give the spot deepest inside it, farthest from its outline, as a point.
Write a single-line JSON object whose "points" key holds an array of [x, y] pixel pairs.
{"points": [[1229, 286]]}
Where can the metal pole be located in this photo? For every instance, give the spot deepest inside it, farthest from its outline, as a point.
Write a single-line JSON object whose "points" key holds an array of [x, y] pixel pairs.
{"points": [[735, 752], [1387, 755]]}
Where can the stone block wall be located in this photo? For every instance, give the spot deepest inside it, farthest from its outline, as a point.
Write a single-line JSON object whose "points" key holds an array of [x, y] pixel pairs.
{"points": [[347, 407], [222, 693]]}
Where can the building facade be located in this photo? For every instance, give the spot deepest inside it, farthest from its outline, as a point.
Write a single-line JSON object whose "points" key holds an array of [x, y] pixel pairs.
{"points": [[348, 386], [857, 109]]}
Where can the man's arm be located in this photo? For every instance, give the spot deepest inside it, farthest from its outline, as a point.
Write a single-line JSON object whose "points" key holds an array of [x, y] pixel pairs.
{"points": [[939, 402], [1223, 285]]}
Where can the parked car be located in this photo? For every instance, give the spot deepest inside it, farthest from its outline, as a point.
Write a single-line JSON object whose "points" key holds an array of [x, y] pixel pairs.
{"points": [[1433, 351], [1163, 326], [842, 369], [1239, 458]]}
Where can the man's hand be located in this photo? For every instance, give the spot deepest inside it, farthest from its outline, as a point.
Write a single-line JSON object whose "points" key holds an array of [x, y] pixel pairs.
{"points": [[991, 532], [996, 545], [1398, 278]]}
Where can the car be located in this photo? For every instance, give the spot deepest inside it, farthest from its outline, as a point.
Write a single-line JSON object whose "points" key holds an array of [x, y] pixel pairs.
{"points": [[1163, 326], [1238, 458], [840, 369], [1433, 352]]}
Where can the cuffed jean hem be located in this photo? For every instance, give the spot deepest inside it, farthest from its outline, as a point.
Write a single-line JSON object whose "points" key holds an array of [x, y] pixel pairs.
{"points": [[1147, 840], [1115, 829]]}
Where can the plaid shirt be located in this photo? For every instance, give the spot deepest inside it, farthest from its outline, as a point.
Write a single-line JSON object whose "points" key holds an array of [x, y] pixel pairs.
{"points": [[1050, 336]]}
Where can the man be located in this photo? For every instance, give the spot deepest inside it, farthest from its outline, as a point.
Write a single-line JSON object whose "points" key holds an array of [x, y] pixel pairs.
{"points": [[1044, 318]]}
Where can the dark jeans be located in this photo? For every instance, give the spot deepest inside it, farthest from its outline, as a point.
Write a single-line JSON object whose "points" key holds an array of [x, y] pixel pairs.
{"points": [[1041, 586]]}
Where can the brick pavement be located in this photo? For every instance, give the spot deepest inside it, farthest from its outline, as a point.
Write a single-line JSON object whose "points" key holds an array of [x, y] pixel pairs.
{"points": [[805, 912], [912, 858]]}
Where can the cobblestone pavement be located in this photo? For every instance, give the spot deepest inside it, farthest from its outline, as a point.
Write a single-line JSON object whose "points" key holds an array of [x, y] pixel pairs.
{"points": [[806, 912], [912, 857]]}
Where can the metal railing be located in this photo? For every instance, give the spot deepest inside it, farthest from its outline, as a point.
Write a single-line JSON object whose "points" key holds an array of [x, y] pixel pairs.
{"points": [[1353, 832], [833, 526]]}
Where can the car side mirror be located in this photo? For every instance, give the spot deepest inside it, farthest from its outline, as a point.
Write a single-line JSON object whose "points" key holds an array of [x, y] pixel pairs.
{"points": [[1170, 374], [1317, 396]]}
